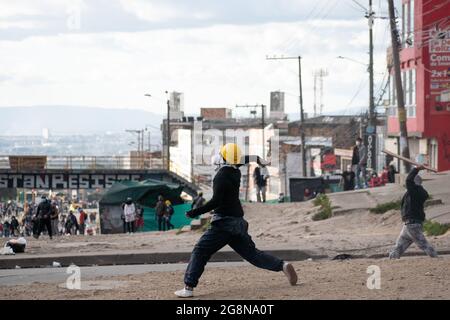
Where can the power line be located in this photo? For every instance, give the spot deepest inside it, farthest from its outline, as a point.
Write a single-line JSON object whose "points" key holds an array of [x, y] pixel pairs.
{"points": [[360, 5]]}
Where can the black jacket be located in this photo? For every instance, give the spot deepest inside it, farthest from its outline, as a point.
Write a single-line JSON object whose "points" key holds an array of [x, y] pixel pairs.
{"points": [[414, 199], [44, 210], [225, 200]]}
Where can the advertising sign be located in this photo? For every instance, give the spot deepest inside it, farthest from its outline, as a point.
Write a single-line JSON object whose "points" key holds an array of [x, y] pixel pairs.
{"points": [[439, 68]]}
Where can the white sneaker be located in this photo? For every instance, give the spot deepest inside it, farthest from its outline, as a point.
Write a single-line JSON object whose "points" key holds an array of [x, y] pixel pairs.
{"points": [[290, 273], [184, 293]]}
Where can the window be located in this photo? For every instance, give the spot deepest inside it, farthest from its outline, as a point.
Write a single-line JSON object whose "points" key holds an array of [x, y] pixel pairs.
{"points": [[392, 111], [407, 87], [413, 87], [411, 22], [405, 18], [411, 111]]}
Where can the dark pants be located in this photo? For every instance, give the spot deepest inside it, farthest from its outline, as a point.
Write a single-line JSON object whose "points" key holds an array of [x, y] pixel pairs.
{"points": [[232, 232], [130, 226], [45, 223], [169, 224], [161, 223], [82, 227]]}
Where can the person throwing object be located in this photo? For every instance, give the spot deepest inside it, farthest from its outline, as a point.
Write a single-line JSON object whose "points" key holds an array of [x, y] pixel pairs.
{"points": [[228, 226], [413, 216]]}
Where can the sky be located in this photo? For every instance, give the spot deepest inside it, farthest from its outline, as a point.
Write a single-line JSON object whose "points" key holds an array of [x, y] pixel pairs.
{"points": [[109, 53]]}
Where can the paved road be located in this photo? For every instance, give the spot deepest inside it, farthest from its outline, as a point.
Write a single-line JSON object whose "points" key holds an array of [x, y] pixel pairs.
{"points": [[59, 275]]}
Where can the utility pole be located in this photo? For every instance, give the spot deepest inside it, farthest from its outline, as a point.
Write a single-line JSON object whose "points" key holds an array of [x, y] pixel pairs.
{"points": [[371, 133], [396, 43], [263, 124], [371, 101], [168, 133], [302, 115]]}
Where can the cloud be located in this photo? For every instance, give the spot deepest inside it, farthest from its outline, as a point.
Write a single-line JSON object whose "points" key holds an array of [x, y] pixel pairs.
{"points": [[156, 11], [141, 15], [220, 65]]}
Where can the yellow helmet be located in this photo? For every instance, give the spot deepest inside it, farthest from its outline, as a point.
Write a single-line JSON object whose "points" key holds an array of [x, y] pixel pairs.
{"points": [[168, 203], [231, 153]]}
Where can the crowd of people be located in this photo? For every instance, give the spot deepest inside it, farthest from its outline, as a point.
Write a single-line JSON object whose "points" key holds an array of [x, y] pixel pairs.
{"points": [[52, 217], [356, 175]]}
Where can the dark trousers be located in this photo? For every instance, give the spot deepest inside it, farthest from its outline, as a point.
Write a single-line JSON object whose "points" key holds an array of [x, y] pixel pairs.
{"points": [[45, 223], [169, 224], [161, 223], [82, 227], [232, 232], [130, 226]]}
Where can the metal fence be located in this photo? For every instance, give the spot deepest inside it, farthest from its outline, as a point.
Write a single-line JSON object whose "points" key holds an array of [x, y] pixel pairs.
{"points": [[79, 162]]}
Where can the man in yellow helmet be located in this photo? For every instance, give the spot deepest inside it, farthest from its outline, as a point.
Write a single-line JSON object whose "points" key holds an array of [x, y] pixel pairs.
{"points": [[228, 226]]}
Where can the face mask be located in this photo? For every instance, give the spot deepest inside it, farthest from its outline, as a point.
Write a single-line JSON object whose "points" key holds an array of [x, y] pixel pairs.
{"points": [[217, 161]]}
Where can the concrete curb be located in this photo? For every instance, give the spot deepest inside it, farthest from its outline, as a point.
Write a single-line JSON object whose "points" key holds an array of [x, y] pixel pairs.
{"points": [[84, 260], [10, 262]]}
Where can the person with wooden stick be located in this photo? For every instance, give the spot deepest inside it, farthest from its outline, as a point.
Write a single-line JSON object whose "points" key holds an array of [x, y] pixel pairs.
{"points": [[413, 216]]}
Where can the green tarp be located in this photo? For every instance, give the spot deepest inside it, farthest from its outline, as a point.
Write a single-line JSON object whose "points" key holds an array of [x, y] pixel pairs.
{"points": [[144, 192], [178, 219]]}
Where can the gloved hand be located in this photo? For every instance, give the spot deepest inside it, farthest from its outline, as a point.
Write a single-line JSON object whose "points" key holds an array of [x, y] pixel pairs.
{"points": [[190, 214]]}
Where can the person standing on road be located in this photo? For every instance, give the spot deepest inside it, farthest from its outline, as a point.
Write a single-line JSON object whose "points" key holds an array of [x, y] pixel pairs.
{"points": [[228, 226], [168, 215], [83, 217], [139, 225], [348, 179], [43, 213], [54, 216], [160, 210], [260, 177], [362, 165], [129, 211], [71, 224], [14, 226], [413, 216]]}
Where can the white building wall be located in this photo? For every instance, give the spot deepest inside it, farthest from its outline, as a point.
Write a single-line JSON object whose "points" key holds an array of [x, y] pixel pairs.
{"points": [[180, 156]]}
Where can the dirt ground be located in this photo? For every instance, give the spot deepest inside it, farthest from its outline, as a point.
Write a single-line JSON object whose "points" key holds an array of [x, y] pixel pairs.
{"points": [[407, 278], [272, 226]]}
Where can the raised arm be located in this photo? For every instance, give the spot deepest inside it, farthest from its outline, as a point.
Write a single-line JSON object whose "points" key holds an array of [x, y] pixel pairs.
{"points": [[410, 179]]}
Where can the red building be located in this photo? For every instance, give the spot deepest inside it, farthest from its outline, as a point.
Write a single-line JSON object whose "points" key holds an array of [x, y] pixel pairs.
{"points": [[425, 65]]}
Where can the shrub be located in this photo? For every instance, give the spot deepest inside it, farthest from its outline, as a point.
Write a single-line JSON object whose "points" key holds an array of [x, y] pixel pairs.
{"points": [[325, 211], [435, 228], [385, 207]]}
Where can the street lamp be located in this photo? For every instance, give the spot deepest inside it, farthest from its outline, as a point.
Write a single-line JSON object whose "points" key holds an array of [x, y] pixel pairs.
{"points": [[167, 126]]}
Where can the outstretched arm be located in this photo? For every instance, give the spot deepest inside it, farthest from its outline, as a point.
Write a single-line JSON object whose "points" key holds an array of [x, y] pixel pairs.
{"points": [[247, 159], [218, 192]]}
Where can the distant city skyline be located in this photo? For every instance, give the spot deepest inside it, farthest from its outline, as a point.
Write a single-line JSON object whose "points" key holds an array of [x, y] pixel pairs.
{"points": [[110, 53]]}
